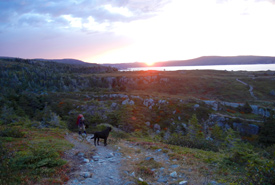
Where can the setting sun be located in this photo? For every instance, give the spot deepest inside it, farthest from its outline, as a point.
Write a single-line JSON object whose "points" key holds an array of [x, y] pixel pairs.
{"points": [[149, 63]]}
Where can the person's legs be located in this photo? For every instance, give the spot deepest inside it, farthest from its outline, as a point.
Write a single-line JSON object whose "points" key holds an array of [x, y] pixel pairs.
{"points": [[79, 128], [83, 127]]}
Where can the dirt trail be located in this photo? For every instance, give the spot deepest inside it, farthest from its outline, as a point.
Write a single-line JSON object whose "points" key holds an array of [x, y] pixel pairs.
{"points": [[117, 164], [92, 165], [250, 88]]}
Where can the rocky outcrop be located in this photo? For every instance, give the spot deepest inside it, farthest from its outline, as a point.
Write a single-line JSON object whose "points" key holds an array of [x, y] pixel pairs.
{"points": [[246, 129], [224, 123]]}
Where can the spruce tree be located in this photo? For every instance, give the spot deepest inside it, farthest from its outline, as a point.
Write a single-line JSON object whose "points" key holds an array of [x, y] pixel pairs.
{"points": [[267, 133]]}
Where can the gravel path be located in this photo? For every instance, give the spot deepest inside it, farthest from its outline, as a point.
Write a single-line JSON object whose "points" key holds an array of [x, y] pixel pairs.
{"points": [[250, 88], [92, 165]]}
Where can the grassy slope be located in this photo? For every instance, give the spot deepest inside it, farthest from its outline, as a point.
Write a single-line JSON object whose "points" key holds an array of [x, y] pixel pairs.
{"points": [[204, 84], [35, 155]]}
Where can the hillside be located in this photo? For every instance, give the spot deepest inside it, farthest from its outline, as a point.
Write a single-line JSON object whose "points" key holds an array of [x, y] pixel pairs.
{"points": [[207, 60], [62, 61], [202, 127]]}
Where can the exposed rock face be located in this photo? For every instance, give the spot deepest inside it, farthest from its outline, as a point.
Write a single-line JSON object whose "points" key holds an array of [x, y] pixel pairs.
{"points": [[260, 111], [246, 129]]}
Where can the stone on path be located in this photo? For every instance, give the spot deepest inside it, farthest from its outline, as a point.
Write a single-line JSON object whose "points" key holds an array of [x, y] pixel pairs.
{"points": [[174, 174]]}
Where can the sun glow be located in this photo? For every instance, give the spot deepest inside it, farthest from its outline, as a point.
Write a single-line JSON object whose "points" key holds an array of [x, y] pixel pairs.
{"points": [[149, 63]]}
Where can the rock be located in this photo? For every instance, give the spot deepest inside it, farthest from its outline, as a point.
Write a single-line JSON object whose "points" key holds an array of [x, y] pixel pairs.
{"points": [[140, 179], [86, 174], [147, 123], [129, 183], [133, 174], [74, 182], [149, 158], [272, 93], [175, 166], [110, 155], [129, 102], [158, 150], [80, 154], [246, 129], [173, 174], [156, 127], [162, 101], [96, 158], [183, 182], [215, 183], [163, 179], [148, 102], [86, 160], [114, 105], [196, 106]]}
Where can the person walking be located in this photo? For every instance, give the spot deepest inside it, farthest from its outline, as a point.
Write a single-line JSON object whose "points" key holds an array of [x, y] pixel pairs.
{"points": [[81, 124]]}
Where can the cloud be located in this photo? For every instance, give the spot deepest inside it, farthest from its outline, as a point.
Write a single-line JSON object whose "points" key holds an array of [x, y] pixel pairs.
{"points": [[16, 13]]}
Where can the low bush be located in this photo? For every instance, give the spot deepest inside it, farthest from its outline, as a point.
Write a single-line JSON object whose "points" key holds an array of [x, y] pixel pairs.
{"points": [[11, 132], [269, 152], [263, 173], [185, 141], [8, 175], [40, 160]]}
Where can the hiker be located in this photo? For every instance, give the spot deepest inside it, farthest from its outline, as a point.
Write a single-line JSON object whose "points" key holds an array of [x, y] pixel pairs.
{"points": [[80, 123]]}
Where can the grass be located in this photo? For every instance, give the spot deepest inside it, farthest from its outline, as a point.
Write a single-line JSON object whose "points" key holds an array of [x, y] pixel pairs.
{"points": [[36, 157]]}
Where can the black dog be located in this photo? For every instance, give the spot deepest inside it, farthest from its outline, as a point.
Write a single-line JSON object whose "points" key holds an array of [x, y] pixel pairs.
{"points": [[103, 135]]}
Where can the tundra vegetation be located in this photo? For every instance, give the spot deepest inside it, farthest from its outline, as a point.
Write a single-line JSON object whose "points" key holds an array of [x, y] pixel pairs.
{"points": [[206, 118]]}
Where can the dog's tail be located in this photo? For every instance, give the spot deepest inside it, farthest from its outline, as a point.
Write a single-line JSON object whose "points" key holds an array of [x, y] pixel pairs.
{"points": [[93, 137]]}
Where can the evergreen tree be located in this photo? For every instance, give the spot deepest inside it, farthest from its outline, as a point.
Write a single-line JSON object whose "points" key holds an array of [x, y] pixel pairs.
{"points": [[267, 134], [194, 130], [247, 108]]}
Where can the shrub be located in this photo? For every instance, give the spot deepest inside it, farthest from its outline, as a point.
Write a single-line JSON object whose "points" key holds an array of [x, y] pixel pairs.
{"points": [[263, 173], [8, 175], [240, 153], [11, 132], [217, 133], [271, 152], [202, 143], [247, 108], [267, 134], [145, 171], [40, 160]]}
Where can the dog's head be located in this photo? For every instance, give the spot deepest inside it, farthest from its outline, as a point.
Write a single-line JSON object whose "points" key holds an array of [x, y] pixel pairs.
{"points": [[110, 129]]}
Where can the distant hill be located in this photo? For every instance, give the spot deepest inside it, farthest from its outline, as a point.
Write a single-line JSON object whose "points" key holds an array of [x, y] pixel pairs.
{"points": [[65, 61], [206, 60], [62, 61]]}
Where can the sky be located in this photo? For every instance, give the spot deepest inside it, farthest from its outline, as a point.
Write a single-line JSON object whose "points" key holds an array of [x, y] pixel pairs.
{"points": [[120, 31]]}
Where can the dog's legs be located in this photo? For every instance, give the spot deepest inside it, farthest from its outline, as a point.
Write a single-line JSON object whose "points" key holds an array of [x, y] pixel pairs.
{"points": [[105, 141], [97, 141]]}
